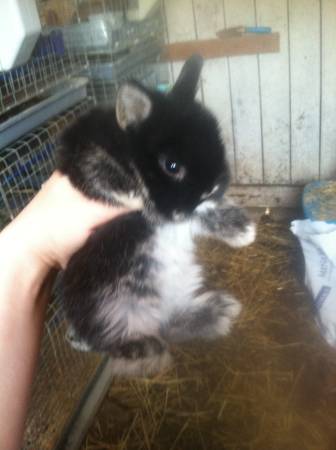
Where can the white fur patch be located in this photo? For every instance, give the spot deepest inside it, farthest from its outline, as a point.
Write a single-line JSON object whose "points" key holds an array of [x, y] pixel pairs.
{"points": [[243, 238], [130, 200], [75, 343], [128, 316], [178, 276], [144, 319], [141, 366]]}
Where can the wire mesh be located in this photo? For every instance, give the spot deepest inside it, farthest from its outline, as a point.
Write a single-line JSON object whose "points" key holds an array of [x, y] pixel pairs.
{"points": [[139, 64], [129, 50], [25, 165], [110, 33], [51, 64]]}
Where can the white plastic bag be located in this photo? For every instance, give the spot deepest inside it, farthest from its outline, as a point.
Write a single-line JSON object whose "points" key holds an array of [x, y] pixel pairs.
{"points": [[318, 242]]}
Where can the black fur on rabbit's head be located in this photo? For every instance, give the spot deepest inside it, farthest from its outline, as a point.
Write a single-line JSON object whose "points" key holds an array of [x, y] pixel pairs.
{"points": [[163, 151]]}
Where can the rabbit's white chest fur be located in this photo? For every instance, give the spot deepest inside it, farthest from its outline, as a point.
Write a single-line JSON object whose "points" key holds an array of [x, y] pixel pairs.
{"points": [[178, 275]]}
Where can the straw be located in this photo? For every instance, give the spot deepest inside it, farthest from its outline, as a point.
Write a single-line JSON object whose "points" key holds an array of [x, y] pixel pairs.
{"points": [[269, 385]]}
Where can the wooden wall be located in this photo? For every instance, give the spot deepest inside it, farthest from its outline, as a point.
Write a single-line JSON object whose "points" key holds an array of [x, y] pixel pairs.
{"points": [[277, 111]]}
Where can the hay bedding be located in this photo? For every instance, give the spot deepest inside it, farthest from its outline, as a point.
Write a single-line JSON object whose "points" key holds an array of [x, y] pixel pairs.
{"points": [[270, 385]]}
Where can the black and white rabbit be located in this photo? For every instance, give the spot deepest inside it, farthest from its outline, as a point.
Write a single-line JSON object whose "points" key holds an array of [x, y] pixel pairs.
{"points": [[135, 285]]}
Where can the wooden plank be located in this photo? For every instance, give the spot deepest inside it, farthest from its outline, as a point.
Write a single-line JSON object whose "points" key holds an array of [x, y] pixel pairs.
{"points": [[180, 27], [166, 39], [328, 100], [180, 23], [245, 100], [209, 17], [275, 101], [267, 196], [248, 44], [304, 23]]}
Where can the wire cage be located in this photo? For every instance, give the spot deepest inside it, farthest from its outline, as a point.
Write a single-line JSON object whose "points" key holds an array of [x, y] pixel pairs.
{"points": [[85, 50], [110, 32], [94, 38], [117, 48], [84, 35], [51, 64], [26, 164], [139, 64]]}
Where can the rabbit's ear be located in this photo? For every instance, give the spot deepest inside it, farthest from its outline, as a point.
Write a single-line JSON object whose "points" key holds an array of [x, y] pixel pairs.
{"points": [[133, 105], [186, 85]]}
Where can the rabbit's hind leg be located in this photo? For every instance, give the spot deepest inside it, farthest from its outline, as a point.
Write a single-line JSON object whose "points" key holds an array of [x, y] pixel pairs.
{"points": [[212, 315]]}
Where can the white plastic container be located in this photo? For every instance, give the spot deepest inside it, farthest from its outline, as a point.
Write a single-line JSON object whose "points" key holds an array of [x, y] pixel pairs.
{"points": [[19, 29]]}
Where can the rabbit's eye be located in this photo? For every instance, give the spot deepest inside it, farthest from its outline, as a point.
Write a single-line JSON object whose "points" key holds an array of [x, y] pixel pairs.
{"points": [[172, 167]]}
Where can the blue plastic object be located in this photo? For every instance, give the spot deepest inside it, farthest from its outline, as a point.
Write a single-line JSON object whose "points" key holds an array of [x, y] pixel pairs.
{"points": [[319, 201], [51, 43], [258, 30]]}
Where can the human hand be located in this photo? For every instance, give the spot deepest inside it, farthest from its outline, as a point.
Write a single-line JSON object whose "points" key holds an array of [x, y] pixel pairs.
{"points": [[56, 223], [43, 236]]}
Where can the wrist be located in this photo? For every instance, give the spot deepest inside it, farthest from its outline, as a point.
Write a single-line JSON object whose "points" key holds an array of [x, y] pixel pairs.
{"points": [[22, 270]]}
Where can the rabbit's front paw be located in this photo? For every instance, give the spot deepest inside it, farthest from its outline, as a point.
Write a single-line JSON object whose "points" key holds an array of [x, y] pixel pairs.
{"points": [[243, 237], [227, 222]]}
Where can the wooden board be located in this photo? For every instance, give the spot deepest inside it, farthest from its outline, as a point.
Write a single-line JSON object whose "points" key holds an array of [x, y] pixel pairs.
{"points": [[209, 17], [245, 100], [304, 31], [281, 106], [248, 44], [274, 90], [267, 196], [328, 91], [180, 27]]}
